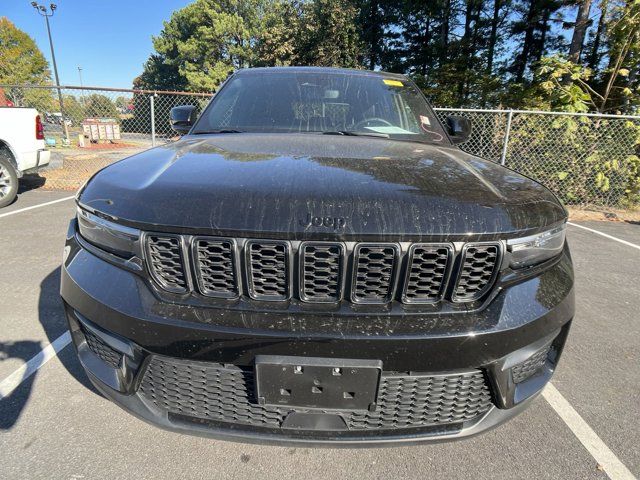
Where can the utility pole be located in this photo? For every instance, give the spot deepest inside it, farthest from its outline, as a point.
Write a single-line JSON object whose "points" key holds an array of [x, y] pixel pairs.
{"points": [[46, 13]]}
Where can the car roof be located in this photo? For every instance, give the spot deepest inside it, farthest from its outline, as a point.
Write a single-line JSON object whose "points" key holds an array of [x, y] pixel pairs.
{"points": [[351, 71]]}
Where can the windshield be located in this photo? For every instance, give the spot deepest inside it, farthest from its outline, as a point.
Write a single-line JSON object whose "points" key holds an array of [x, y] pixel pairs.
{"points": [[323, 102]]}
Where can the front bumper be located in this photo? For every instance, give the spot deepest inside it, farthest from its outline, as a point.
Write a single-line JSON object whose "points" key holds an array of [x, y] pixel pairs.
{"points": [[110, 309]]}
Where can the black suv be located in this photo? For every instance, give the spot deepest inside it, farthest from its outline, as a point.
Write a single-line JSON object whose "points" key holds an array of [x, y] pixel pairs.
{"points": [[315, 260]]}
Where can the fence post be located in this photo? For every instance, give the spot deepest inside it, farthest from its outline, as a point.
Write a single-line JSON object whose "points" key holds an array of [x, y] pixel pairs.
{"points": [[503, 157], [153, 120]]}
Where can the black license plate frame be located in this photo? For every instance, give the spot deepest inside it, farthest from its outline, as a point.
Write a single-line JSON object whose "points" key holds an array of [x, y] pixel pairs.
{"points": [[321, 383]]}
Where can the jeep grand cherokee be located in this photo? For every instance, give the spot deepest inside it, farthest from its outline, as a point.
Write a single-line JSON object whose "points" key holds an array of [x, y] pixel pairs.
{"points": [[316, 260]]}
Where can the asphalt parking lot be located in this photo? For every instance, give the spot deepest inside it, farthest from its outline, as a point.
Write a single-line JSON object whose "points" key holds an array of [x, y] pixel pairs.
{"points": [[53, 424]]}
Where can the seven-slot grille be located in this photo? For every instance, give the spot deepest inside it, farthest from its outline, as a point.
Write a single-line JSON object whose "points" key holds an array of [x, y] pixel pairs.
{"points": [[478, 267], [322, 268]]}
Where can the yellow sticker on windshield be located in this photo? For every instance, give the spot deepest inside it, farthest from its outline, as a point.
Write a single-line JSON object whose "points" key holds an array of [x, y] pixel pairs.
{"points": [[392, 83]]}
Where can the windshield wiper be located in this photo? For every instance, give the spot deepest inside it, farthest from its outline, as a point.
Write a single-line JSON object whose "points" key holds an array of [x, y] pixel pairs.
{"points": [[351, 133], [224, 130]]}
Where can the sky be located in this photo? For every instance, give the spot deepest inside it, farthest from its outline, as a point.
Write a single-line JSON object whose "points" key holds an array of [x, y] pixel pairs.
{"points": [[109, 39]]}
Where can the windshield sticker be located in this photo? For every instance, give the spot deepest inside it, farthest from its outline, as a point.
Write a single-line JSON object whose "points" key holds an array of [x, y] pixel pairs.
{"points": [[425, 120], [392, 83]]}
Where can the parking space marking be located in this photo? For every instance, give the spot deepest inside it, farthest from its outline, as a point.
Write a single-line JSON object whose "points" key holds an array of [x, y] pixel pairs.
{"points": [[611, 464], [610, 237], [14, 380], [36, 206]]}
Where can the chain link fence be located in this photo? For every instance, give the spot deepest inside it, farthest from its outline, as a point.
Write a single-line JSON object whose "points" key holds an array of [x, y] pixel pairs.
{"points": [[141, 117], [585, 159]]}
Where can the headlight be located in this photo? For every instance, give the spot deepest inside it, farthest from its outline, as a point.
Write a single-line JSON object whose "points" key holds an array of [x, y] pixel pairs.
{"points": [[536, 249], [109, 236]]}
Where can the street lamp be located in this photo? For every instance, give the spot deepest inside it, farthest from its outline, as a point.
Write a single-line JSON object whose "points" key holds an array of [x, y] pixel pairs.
{"points": [[46, 13], [81, 86]]}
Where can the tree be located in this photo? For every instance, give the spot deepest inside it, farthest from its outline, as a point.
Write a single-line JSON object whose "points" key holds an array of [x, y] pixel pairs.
{"points": [[579, 30], [329, 35], [277, 42], [460, 52], [96, 105], [203, 43], [22, 62]]}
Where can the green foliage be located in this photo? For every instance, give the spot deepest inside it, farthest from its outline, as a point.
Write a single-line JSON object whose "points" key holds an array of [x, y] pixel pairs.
{"points": [[22, 62], [564, 86], [585, 160], [73, 108], [329, 34], [204, 42], [96, 105], [277, 42], [207, 40]]}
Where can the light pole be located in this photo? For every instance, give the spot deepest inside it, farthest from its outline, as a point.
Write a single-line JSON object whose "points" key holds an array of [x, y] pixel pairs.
{"points": [[46, 13], [81, 86]]}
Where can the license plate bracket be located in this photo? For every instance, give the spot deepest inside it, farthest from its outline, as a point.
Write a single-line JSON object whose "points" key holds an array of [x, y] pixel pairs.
{"points": [[327, 383]]}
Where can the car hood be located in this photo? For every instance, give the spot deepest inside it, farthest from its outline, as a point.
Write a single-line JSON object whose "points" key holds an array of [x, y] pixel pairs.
{"points": [[319, 186]]}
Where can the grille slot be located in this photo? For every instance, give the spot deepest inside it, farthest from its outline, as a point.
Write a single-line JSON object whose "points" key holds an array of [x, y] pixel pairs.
{"points": [[166, 261], [478, 268], [215, 267], [374, 273], [107, 354], [268, 267], [427, 270], [225, 393], [321, 267]]}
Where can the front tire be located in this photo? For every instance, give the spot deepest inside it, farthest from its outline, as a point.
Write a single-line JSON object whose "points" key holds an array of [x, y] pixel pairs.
{"points": [[8, 180]]}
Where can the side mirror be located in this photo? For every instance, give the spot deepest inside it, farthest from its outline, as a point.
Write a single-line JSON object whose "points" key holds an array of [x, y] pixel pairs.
{"points": [[459, 128], [182, 118]]}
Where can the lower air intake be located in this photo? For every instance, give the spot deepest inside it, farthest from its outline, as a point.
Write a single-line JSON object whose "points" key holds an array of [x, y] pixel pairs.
{"points": [[531, 365], [103, 351], [225, 393]]}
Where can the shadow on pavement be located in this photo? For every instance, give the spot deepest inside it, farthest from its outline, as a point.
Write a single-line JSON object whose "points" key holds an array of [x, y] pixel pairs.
{"points": [[53, 321], [30, 182], [12, 405]]}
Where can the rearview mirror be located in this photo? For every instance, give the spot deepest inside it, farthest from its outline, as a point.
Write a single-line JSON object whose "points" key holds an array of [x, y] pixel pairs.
{"points": [[459, 128], [182, 118]]}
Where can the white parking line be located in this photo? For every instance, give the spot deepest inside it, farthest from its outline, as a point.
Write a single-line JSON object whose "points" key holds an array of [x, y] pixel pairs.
{"points": [[12, 382], [610, 237], [611, 464], [36, 206]]}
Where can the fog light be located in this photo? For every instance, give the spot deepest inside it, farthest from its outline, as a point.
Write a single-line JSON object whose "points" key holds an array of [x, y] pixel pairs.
{"points": [[531, 366]]}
